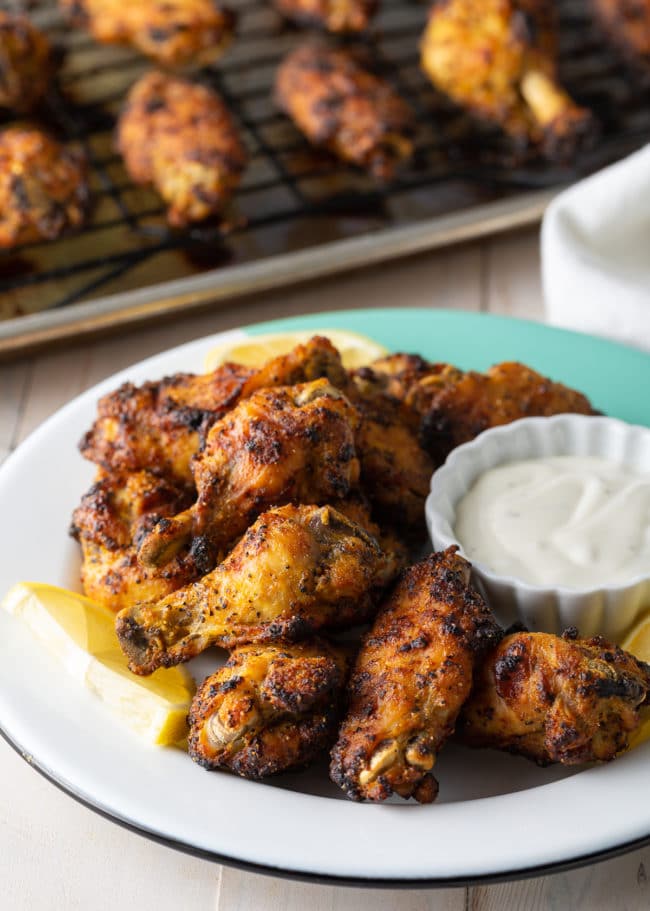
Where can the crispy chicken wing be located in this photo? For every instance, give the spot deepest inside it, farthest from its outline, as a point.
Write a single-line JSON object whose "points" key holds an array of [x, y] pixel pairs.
{"points": [[43, 187], [297, 570], [292, 444], [158, 426], [109, 523], [332, 15], [179, 136], [497, 59], [341, 106], [357, 508], [26, 63], [626, 23], [395, 469], [411, 677], [455, 406], [269, 709], [556, 699], [174, 33]]}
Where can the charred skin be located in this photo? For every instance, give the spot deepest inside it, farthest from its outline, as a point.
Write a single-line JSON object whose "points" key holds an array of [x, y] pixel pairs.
{"points": [[556, 699], [297, 570], [43, 187], [627, 25], [411, 678], [158, 426], [110, 522], [338, 16], [180, 137], [339, 105], [269, 709], [497, 59], [455, 406], [395, 468], [26, 63], [292, 444], [356, 507], [173, 33]]}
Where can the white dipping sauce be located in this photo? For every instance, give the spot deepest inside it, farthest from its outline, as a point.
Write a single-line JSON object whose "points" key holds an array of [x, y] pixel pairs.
{"points": [[563, 520]]}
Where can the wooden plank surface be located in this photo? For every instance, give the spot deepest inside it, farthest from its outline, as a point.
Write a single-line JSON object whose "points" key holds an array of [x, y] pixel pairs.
{"points": [[55, 854]]}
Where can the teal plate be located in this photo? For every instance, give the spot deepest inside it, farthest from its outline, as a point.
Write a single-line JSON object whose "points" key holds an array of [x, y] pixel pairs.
{"points": [[498, 816], [615, 377]]}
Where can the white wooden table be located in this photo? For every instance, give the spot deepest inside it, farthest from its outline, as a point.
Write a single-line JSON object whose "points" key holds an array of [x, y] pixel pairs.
{"points": [[56, 855]]}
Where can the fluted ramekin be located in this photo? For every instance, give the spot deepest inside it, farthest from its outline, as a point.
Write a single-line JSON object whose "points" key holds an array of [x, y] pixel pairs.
{"points": [[605, 610]]}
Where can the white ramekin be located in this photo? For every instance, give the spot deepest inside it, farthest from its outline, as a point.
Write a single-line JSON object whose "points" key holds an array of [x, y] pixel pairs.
{"points": [[608, 611]]}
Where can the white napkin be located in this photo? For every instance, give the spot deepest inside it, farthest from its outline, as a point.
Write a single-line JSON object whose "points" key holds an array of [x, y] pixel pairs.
{"points": [[596, 253]]}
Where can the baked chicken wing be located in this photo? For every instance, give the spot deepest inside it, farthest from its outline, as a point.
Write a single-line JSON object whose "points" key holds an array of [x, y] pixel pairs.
{"points": [[26, 63], [556, 699], [180, 137], [341, 106], [332, 15], [269, 709], [297, 570], [109, 524], [395, 468], [626, 23], [159, 426], [497, 59], [292, 444], [43, 187], [410, 680], [454, 406], [173, 33]]}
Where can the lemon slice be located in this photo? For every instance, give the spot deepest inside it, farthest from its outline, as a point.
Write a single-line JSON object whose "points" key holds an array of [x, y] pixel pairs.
{"points": [[81, 634], [356, 350], [638, 644]]}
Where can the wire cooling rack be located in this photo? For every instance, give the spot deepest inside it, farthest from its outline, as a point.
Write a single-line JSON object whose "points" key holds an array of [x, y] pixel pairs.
{"points": [[298, 212]]}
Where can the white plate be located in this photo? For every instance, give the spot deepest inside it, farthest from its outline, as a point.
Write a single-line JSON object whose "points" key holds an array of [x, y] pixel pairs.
{"points": [[497, 816]]}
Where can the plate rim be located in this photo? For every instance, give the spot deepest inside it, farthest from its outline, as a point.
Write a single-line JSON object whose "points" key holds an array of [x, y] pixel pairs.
{"points": [[269, 869], [324, 879]]}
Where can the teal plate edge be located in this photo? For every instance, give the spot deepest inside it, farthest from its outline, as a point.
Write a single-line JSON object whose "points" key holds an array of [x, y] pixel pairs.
{"points": [[614, 376]]}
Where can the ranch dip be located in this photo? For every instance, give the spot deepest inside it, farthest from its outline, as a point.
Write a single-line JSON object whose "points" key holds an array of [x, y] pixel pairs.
{"points": [[577, 522]]}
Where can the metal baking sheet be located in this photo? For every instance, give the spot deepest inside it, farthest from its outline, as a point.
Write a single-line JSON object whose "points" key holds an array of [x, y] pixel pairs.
{"points": [[298, 214]]}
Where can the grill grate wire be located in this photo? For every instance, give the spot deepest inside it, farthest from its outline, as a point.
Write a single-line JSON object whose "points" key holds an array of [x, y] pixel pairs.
{"points": [[293, 196]]}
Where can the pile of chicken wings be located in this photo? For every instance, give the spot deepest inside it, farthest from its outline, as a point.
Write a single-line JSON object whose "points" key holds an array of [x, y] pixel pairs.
{"points": [[269, 511], [495, 59]]}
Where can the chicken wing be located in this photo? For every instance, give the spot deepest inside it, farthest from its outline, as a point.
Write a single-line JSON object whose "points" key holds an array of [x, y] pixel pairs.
{"points": [[332, 15], [109, 523], [173, 33], [411, 677], [497, 59], [556, 699], [341, 106], [626, 23], [269, 709], [292, 444], [160, 426], [297, 570], [43, 187], [395, 469], [179, 136], [26, 63], [455, 406]]}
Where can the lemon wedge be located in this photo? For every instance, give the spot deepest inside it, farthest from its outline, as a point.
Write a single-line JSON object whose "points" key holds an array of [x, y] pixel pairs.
{"points": [[81, 634], [637, 643], [356, 350]]}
